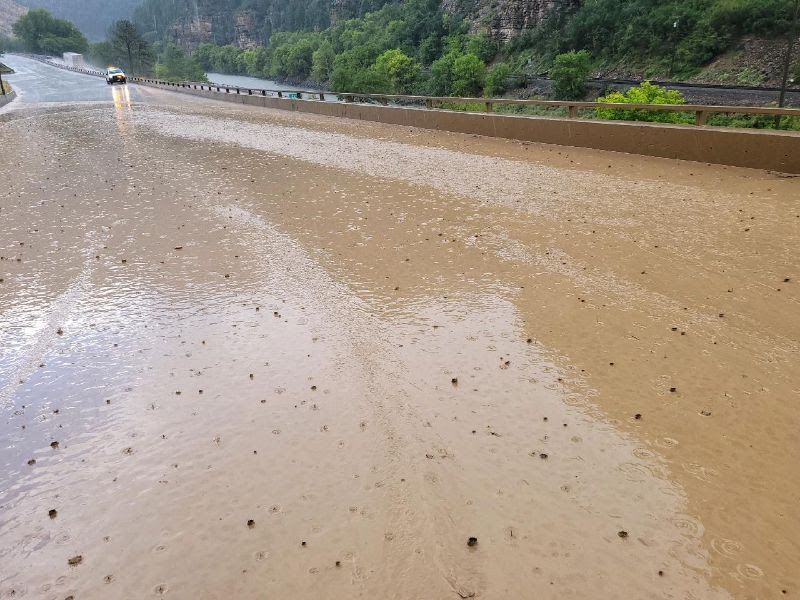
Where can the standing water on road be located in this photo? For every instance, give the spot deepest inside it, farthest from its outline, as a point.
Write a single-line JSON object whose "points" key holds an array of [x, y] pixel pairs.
{"points": [[253, 354]]}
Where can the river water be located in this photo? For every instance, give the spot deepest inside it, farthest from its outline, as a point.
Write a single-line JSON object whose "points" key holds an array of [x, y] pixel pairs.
{"points": [[255, 83]]}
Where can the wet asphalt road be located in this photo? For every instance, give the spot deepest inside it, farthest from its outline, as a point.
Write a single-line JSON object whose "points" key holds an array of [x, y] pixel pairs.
{"points": [[249, 353], [37, 82]]}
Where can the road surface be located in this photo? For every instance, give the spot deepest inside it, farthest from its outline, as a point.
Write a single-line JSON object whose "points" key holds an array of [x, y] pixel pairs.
{"points": [[248, 353]]}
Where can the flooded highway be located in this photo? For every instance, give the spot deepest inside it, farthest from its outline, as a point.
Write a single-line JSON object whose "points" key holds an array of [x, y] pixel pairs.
{"points": [[248, 353]]}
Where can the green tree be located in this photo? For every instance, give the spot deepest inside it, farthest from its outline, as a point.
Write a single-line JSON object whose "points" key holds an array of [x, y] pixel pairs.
{"points": [[254, 61], [322, 63], [469, 72], [569, 74], [40, 32], [497, 80], [296, 63], [482, 46], [398, 70], [126, 41], [347, 67], [174, 65], [204, 55], [646, 93], [440, 81]]}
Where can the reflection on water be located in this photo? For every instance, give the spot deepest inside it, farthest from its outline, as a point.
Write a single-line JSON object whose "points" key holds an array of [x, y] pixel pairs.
{"points": [[122, 108], [121, 96]]}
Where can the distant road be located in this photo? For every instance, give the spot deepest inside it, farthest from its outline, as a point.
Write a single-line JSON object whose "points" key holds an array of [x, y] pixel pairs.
{"points": [[37, 82]]}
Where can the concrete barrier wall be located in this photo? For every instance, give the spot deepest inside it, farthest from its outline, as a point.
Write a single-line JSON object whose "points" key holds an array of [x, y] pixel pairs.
{"points": [[758, 149]]}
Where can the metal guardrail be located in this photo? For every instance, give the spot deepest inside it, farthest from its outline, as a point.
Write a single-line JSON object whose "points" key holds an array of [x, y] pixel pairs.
{"points": [[701, 111], [228, 89]]}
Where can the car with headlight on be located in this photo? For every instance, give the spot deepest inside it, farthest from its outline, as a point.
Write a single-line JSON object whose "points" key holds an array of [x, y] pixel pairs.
{"points": [[114, 75]]}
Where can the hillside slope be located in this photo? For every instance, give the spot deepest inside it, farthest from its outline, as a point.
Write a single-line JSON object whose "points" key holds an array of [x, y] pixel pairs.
{"points": [[251, 22], [10, 11], [660, 39], [243, 22], [92, 17]]}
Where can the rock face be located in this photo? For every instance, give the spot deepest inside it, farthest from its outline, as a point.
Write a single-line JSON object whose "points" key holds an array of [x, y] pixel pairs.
{"points": [[10, 11], [504, 19], [244, 30], [247, 25], [197, 31]]}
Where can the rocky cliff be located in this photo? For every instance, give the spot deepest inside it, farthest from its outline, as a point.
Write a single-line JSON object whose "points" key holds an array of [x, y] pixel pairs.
{"points": [[504, 19], [250, 23], [10, 11]]}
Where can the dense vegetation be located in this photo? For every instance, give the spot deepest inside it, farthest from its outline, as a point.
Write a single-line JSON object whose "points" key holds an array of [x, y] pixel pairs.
{"points": [[415, 46], [402, 47], [660, 36], [126, 47], [40, 32]]}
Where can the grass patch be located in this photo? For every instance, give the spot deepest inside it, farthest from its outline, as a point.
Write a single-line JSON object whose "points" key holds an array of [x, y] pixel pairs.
{"points": [[648, 116], [753, 121]]}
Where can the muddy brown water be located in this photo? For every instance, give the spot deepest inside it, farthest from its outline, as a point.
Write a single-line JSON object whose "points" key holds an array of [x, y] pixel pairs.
{"points": [[289, 356]]}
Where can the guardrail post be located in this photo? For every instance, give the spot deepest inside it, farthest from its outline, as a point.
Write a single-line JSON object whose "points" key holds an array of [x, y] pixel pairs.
{"points": [[573, 111], [700, 118], [428, 103], [263, 92], [322, 96], [489, 107], [280, 94]]}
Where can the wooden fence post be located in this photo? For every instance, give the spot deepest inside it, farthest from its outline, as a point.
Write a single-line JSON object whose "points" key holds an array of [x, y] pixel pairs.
{"points": [[700, 118]]}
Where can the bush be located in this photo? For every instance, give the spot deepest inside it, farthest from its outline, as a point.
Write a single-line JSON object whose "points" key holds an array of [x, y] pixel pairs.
{"points": [[398, 70], [646, 93], [441, 78], [469, 72], [497, 80], [569, 74]]}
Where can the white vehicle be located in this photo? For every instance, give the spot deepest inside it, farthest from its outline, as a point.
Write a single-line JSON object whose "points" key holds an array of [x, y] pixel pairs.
{"points": [[72, 59], [114, 75]]}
